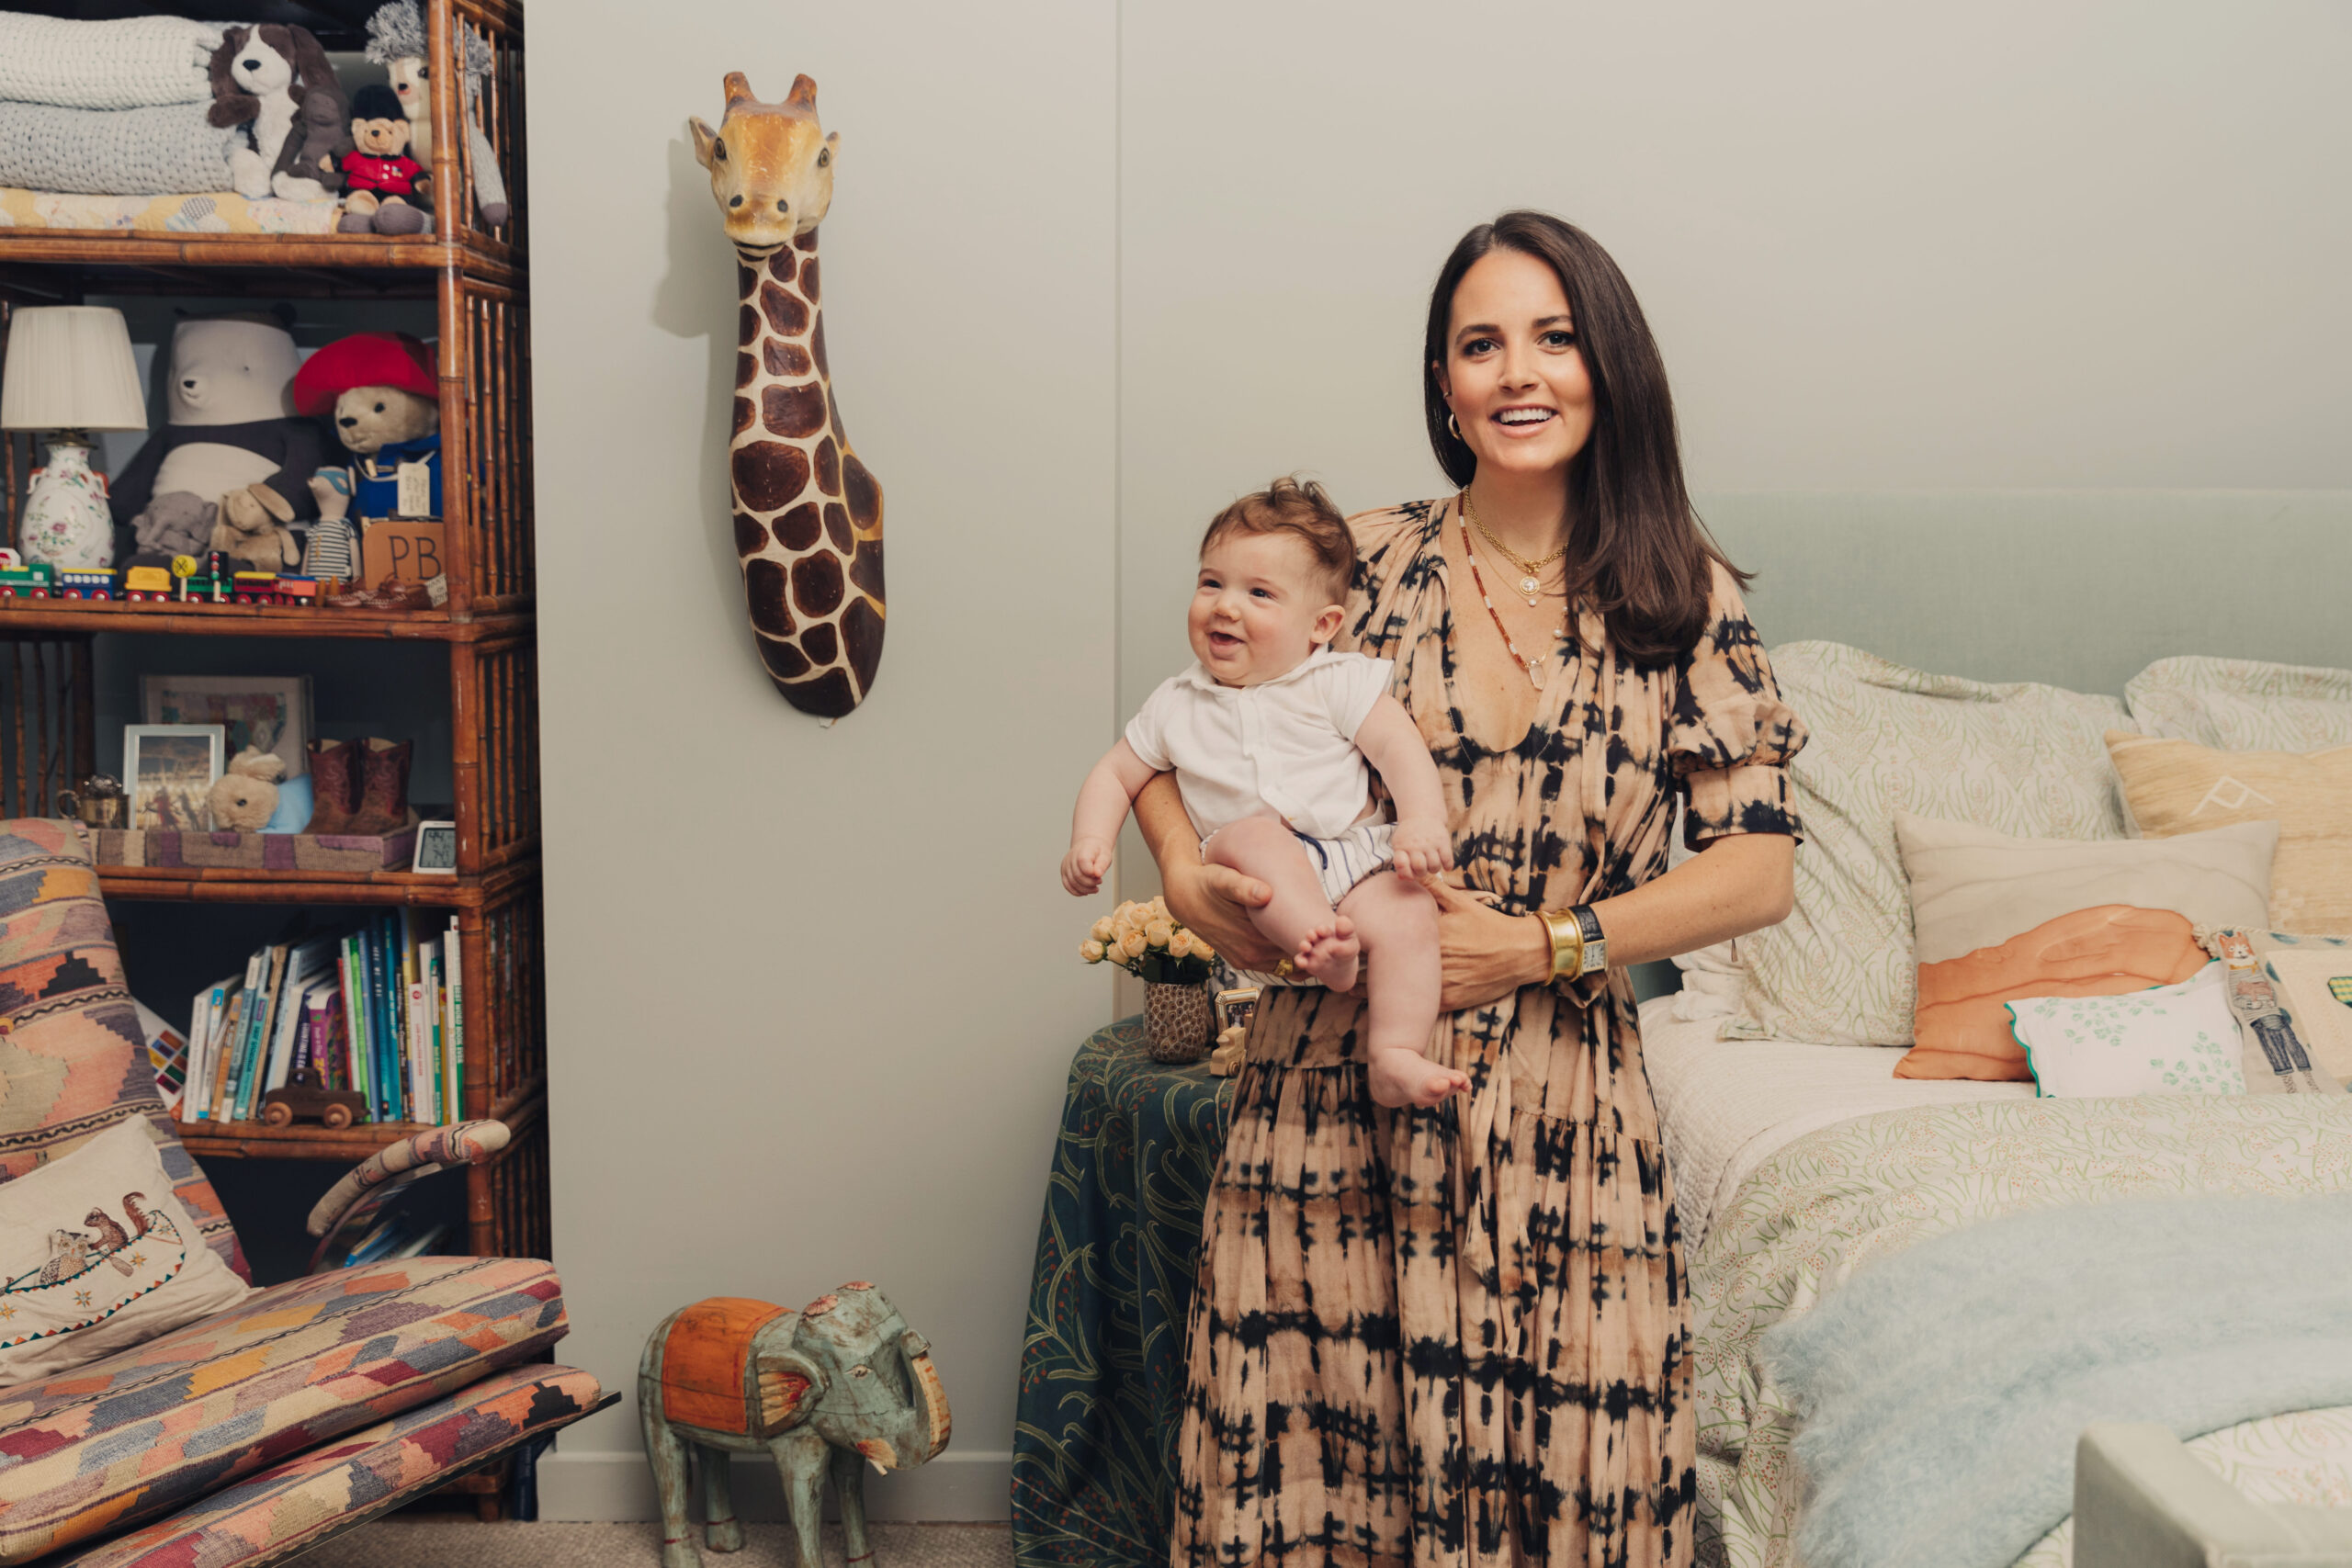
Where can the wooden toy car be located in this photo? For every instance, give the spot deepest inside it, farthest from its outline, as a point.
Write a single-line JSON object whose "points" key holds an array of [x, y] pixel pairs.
{"points": [[85, 585], [307, 1100], [34, 581], [277, 588], [142, 584]]}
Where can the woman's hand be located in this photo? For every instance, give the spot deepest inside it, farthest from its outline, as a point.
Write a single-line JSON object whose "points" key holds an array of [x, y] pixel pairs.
{"points": [[1484, 953], [1213, 902]]}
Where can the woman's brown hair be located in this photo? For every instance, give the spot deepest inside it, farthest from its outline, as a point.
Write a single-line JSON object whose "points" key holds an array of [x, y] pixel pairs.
{"points": [[1636, 551]]}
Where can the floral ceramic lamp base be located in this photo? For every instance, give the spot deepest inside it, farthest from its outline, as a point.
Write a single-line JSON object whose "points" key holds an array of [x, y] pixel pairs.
{"points": [[67, 524]]}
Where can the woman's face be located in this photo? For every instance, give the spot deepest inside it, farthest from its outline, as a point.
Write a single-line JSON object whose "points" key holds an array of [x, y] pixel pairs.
{"points": [[1512, 374]]}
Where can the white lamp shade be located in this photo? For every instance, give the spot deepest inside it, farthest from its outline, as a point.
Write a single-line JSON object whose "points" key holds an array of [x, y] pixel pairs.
{"points": [[70, 368]]}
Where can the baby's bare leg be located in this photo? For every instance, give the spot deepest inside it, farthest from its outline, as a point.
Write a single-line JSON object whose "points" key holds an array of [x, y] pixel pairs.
{"points": [[1299, 920], [1396, 922]]}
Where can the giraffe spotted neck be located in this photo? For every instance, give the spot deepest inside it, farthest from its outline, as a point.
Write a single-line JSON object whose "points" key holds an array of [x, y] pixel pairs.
{"points": [[807, 514]]}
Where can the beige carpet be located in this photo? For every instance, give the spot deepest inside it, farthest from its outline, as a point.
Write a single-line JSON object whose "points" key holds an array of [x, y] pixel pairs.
{"points": [[467, 1543]]}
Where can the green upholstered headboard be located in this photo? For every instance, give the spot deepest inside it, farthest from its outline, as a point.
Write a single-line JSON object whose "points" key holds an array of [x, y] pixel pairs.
{"points": [[2080, 589]]}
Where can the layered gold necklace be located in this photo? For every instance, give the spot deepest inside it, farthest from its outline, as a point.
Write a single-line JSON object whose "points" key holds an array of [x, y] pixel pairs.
{"points": [[1530, 580]]}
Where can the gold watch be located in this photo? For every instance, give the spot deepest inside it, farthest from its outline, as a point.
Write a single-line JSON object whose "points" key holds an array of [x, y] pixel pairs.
{"points": [[1577, 946]]}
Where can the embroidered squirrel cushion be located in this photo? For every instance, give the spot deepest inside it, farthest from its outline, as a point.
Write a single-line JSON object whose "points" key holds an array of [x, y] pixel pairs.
{"points": [[96, 1256]]}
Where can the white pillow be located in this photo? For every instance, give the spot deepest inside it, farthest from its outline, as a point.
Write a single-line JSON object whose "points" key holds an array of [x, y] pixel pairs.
{"points": [[2171, 1039], [2023, 760], [2240, 704], [96, 1256]]}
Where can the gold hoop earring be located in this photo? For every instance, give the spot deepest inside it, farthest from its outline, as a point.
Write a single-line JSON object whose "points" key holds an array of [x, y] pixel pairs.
{"points": [[1450, 425]]}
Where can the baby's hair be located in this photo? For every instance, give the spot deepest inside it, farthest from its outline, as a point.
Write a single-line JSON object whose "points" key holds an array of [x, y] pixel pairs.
{"points": [[1303, 510]]}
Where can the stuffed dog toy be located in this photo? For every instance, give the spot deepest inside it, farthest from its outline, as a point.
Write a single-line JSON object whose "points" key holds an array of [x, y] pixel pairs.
{"points": [[276, 82]]}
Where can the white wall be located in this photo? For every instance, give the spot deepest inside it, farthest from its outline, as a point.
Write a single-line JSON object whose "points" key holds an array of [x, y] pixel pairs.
{"points": [[810, 1011], [1092, 270]]}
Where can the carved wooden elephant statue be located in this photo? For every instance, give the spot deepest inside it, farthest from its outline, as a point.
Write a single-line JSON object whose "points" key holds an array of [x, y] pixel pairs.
{"points": [[840, 1383]]}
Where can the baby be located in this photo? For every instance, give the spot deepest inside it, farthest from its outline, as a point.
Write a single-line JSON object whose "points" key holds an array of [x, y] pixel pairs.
{"points": [[1269, 734]]}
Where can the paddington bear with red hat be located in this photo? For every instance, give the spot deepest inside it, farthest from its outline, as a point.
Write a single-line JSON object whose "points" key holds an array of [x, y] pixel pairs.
{"points": [[382, 393]]}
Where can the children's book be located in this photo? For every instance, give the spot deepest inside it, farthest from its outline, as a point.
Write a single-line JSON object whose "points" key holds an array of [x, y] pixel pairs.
{"points": [[456, 970], [201, 1022], [420, 1033], [245, 1087], [303, 965]]}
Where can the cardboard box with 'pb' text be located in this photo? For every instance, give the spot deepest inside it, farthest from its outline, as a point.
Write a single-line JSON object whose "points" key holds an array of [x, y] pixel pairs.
{"points": [[400, 550]]}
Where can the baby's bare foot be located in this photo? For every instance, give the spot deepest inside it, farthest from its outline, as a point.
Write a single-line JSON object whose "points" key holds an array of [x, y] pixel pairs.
{"points": [[1402, 1077], [1329, 953]]}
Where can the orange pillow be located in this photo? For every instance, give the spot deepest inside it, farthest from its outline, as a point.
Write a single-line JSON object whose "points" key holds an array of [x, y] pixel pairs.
{"points": [[1963, 1026]]}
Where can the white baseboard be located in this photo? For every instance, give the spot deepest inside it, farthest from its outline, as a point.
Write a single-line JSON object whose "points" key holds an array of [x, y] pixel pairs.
{"points": [[955, 1487]]}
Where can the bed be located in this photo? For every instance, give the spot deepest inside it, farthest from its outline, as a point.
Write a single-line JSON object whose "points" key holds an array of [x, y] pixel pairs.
{"points": [[1800, 1163], [1795, 1163]]}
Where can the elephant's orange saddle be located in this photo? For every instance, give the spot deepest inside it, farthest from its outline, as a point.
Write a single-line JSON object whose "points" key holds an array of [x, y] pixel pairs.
{"points": [[704, 1362]]}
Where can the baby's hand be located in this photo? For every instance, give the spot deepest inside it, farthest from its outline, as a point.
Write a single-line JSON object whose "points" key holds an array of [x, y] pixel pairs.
{"points": [[1083, 868], [1421, 850]]}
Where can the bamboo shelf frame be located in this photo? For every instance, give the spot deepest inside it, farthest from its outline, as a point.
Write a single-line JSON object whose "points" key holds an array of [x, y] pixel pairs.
{"points": [[132, 261], [381, 889], [254, 620], [478, 280], [259, 1140]]}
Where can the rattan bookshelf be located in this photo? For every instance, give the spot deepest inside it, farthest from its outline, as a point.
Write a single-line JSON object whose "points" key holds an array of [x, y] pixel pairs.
{"points": [[476, 282]]}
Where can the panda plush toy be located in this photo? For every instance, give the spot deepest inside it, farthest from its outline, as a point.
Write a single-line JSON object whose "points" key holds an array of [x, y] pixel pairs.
{"points": [[231, 444]]}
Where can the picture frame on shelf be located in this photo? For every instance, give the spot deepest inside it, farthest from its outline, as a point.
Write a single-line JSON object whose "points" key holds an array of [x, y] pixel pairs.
{"points": [[170, 770], [272, 712], [436, 850]]}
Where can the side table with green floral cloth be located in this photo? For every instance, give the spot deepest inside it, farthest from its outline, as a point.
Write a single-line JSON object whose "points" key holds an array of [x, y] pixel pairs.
{"points": [[1102, 1359]]}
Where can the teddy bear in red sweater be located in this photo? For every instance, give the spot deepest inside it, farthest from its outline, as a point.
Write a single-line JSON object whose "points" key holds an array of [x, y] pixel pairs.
{"points": [[385, 190]]}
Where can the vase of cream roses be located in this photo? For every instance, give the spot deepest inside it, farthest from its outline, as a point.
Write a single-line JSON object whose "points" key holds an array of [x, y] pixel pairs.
{"points": [[1174, 965]]}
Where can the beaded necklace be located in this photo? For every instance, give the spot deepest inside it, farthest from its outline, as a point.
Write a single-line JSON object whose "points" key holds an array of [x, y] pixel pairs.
{"points": [[1534, 675]]}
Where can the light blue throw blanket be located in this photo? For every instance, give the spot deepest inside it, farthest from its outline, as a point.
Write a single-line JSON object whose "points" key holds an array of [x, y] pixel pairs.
{"points": [[163, 149], [1943, 1388]]}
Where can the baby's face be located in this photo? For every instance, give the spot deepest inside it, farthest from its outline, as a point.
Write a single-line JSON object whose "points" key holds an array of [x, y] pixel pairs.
{"points": [[1259, 608]]}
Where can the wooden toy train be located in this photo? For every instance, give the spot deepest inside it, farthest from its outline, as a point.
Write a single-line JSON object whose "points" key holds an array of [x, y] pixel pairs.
{"points": [[183, 583]]}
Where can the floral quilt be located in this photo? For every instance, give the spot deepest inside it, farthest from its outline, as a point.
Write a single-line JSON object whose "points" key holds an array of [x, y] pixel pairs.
{"points": [[1837, 1198]]}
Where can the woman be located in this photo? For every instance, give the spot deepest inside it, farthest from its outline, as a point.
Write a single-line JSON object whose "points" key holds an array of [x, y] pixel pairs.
{"points": [[1459, 1336]]}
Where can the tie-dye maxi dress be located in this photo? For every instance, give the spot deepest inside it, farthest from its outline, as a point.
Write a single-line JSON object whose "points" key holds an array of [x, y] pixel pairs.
{"points": [[1459, 1337]]}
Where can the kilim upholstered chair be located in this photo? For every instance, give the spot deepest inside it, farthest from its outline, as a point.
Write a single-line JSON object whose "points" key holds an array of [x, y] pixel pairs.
{"points": [[250, 1435]]}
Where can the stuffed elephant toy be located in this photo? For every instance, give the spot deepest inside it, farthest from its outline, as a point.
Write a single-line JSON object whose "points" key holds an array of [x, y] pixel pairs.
{"points": [[839, 1384]]}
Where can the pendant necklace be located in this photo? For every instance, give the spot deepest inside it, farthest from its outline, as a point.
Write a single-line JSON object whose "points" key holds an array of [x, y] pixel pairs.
{"points": [[1530, 583], [1534, 674]]}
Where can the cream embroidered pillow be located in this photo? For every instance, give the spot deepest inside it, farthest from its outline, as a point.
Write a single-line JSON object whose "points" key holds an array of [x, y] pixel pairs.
{"points": [[2238, 705], [2017, 759], [2172, 1040], [2177, 786], [96, 1256]]}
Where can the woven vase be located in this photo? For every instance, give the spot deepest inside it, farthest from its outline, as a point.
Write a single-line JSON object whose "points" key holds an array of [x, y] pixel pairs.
{"points": [[1177, 1022]]}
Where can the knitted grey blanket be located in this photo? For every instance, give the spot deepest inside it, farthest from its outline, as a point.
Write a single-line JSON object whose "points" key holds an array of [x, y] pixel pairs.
{"points": [[159, 151], [1943, 1388], [131, 64]]}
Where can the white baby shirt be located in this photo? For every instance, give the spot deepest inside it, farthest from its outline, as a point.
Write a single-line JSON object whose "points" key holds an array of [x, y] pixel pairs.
{"points": [[1288, 744]]}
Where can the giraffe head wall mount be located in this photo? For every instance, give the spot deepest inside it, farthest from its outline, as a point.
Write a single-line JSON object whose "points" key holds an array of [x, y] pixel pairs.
{"points": [[807, 514]]}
